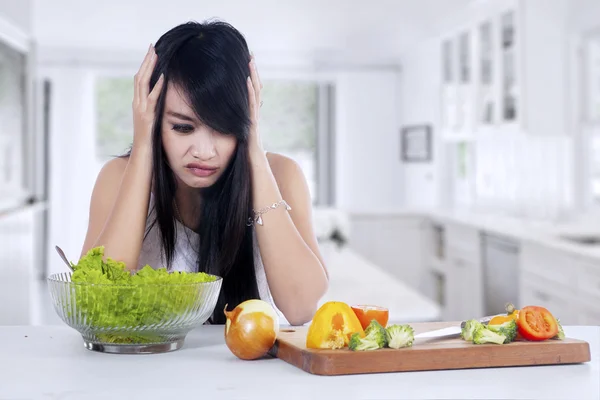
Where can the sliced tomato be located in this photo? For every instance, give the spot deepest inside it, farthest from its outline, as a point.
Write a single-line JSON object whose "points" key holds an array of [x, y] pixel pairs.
{"points": [[536, 323], [367, 313]]}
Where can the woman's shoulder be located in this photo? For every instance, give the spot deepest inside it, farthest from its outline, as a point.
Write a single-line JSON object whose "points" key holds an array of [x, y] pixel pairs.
{"points": [[114, 168], [284, 168]]}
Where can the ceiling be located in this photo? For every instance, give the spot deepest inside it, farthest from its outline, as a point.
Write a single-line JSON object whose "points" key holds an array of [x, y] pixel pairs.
{"points": [[322, 31]]}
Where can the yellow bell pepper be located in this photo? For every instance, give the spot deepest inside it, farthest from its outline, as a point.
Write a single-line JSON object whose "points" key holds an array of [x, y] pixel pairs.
{"points": [[332, 325], [511, 313]]}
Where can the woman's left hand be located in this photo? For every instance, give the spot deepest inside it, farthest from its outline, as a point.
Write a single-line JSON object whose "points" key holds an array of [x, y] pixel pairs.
{"points": [[254, 99]]}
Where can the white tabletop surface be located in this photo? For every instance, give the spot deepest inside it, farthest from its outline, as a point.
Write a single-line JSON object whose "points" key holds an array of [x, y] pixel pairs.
{"points": [[50, 362]]}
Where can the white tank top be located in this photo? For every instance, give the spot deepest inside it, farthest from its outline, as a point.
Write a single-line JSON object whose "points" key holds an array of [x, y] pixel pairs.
{"points": [[185, 255]]}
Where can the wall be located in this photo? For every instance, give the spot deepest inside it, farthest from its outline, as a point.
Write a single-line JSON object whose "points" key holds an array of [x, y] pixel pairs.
{"points": [[585, 15], [368, 167], [18, 13], [419, 104], [545, 38], [278, 31], [73, 167]]}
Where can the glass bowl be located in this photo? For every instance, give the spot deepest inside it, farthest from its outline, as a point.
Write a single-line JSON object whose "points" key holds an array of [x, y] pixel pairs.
{"points": [[151, 318]]}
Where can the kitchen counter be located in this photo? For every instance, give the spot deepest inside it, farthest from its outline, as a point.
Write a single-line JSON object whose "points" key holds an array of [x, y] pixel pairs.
{"points": [[535, 231], [51, 363], [355, 280]]}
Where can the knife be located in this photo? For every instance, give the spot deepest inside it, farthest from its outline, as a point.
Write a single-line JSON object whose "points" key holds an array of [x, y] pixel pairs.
{"points": [[452, 330]]}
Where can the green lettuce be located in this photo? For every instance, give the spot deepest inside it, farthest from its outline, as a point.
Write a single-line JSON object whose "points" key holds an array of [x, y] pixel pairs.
{"points": [[109, 298]]}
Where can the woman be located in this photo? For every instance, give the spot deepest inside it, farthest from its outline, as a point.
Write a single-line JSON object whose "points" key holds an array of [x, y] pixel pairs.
{"points": [[195, 191]]}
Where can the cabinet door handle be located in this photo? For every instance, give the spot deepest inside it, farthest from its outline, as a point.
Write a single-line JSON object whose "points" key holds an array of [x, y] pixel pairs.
{"points": [[460, 263], [541, 295]]}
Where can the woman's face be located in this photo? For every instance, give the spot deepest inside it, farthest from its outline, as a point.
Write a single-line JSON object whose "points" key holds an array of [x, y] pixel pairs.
{"points": [[196, 153]]}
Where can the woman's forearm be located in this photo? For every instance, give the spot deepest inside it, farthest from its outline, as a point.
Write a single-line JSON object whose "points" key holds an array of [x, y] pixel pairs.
{"points": [[123, 232], [297, 279]]}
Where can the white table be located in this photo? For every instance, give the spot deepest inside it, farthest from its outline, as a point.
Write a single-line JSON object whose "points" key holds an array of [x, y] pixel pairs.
{"points": [[51, 363]]}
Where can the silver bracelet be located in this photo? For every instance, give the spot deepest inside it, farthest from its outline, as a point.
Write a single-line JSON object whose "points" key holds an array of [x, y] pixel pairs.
{"points": [[258, 214]]}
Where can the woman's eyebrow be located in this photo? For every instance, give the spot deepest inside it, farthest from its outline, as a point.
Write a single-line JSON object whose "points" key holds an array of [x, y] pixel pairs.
{"points": [[181, 116]]}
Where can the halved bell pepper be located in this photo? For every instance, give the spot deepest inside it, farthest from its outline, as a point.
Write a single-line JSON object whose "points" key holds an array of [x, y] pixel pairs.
{"points": [[511, 313], [332, 326]]}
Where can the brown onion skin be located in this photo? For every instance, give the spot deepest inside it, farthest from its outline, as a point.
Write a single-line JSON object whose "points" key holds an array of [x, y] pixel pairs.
{"points": [[249, 336]]}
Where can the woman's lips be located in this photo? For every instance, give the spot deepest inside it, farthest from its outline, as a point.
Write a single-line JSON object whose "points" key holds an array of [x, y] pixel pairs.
{"points": [[201, 170]]}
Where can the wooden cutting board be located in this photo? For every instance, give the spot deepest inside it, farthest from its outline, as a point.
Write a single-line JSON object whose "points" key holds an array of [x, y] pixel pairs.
{"points": [[426, 354]]}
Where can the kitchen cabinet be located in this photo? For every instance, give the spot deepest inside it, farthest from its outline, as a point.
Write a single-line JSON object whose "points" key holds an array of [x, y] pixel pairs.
{"points": [[454, 272], [535, 290], [481, 71], [500, 267], [501, 70], [395, 242], [463, 273], [17, 255], [463, 292], [568, 284]]}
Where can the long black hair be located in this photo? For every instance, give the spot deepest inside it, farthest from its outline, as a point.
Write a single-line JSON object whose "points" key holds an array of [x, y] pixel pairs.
{"points": [[208, 62]]}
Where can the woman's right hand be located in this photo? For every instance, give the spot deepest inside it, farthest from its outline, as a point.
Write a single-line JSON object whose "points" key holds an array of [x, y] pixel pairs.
{"points": [[144, 103]]}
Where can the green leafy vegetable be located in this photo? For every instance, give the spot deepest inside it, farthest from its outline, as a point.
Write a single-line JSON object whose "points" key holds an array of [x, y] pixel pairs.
{"points": [[561, 333], [483, 335], [508, 329], [375, 338], [400, 336], [112, 299], [469, 328]]}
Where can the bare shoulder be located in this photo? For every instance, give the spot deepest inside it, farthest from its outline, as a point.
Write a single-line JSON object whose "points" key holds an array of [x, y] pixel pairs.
{"points": [[286, 170], [108, 181], [103, 197], [114, 168]]}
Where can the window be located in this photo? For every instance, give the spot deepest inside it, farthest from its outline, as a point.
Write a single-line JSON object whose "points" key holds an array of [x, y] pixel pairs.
{"points": [[591, 114], [114, 130], [294, 122], [13, 134], [289, 124], [594, 157]]}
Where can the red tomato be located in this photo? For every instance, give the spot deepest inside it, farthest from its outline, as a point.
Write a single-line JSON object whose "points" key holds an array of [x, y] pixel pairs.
{"points": [[366, 314], [536, 323]]}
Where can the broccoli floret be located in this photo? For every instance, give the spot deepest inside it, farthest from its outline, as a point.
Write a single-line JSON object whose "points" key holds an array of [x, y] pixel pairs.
{"points": [[483, 335], [400, 336], [377, 332], [561, 334], [507, 329], [375, 338], [358, 344], [468, 329]]}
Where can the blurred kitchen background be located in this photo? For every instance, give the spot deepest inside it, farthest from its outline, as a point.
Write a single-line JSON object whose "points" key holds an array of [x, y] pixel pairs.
{"points": [[452, 147]]}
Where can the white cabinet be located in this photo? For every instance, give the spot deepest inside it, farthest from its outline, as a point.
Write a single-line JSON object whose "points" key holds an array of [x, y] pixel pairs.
{"points": [[394, 242], [537, 291], [568, 284], [463, 295], [503, 66], [464, 280], [455, 271], [17, 257], [481, 71]]}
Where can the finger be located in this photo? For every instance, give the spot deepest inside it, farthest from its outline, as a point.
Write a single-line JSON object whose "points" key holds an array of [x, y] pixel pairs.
{"points": [[257, 73], [145, 78], [255, 82], [153, 96], [136, 78], [251, 99]]}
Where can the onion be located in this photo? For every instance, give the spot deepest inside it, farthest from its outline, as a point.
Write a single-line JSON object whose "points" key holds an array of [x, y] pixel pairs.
{"points": [[251, 329]]}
